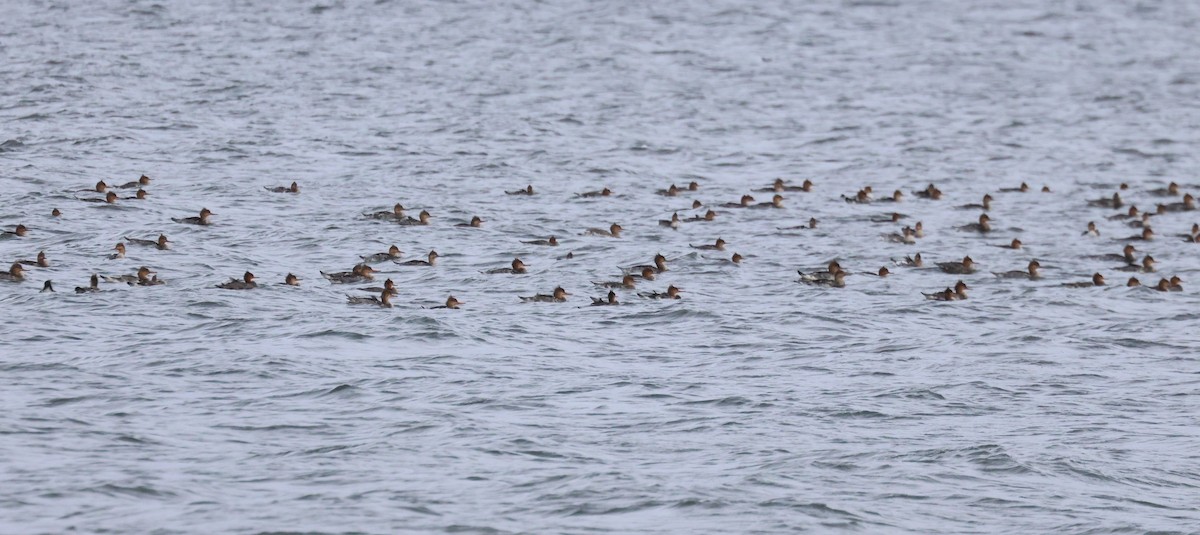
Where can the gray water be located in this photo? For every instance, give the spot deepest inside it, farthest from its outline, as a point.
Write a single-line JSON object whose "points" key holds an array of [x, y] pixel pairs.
{"points": [[755, 404]]}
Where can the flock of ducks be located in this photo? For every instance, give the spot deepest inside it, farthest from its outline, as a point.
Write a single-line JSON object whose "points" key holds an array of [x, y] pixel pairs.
{"points": [[833, 275]]}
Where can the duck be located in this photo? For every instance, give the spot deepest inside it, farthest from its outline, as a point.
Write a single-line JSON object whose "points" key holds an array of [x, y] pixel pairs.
{"points": [[518, 268], [202, 220], [422, 219], [590, 194], [719, 245], [397, 213], [983, 226], [671, 293], [959, 293], [388, 286], [451, 304], [894, 217], [246, 283], [393, 253], [1176, 284], [1092, 230], [140, 195], [907, 236], [161, 243], [15, 273], [383, 301], [1195, 230], [56, 213], [551, 242], [812, 224], [1171, 190], [527, 191], [1110, 202], [1147, 266], [985, 205], [291, 280], [1129, 214], [41, 261], [660, 265], [294, 188], [830, 272], [930, 192], [910, 261], [897, 196], [837, 281], [610, 301], [109, 198], [100, 187], [736, 259], [919, 229], [1146, 235], [862, 197], [673, 222], [93, 286], [614, 231], [476, 222], [708, 216], [1014, 245], [47, 287], [139, 183], [627, 282], [432, 258], [360, 273], [779, 186], [1164, 285], [1188, 204], [1126, 255], [1097, 280], [1020, 189], [743, 203], [882, 273], [965, 267], [559, 295], [648, 273], [775, 202], [672, 191], [120, 248], [1141, 222], [143, 274], [1133, 282], [1032, 274]]}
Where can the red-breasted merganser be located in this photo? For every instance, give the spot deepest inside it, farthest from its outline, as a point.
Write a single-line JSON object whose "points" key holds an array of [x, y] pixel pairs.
{"points": [[161, 243], [16, 273], [780, 186], [246, 283], [838, 280], [719, 245], [202, 220], [627, 282], [589, 194], [1045, 189], [527, 191], [907, 236], [1176, 284], [1127, 255], [610, 301], [139, 196], [294, 188], [1113, 202], [109, 198], [910, 261], [1141, 222], [829, 274], [1130, 214], [476, 222], [1014, 245], [397, 213], [708, 216], [897, 196], [518, 268], [614, 231], [1032, 274], [1171, 190], [673, 222], [558, 296], [141, 181], [862, 197], [120, 248], [746, 200], [1164, 285], [393, 253], [660, 264], [40, 262], [775, 202], [388, 286], [736, 258], [422, 219], [696, 204], [93, 285], [1022, 189], [1146, 235], [291, 280], [930, 192], [812, 224], [646, 274], [895, 217], [672, 191], [384, 300], [1097, 280], [965, 267], [1091, 230], [983, 226], [100, 187], [693, 186], [1133, 282], [432, 258], [56, 213], [959, 293], [451, 303], [1147, 266], [1195, 230], [360, 273], [671, 293], [1188, 204], [552, 242], [985, 205]]}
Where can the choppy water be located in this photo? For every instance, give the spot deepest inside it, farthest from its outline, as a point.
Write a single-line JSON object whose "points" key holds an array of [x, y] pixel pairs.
{"points": [[753, 405]]}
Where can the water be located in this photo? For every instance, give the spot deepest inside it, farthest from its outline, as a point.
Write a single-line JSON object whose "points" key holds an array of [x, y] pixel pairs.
{"points": [[754, 405]]}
